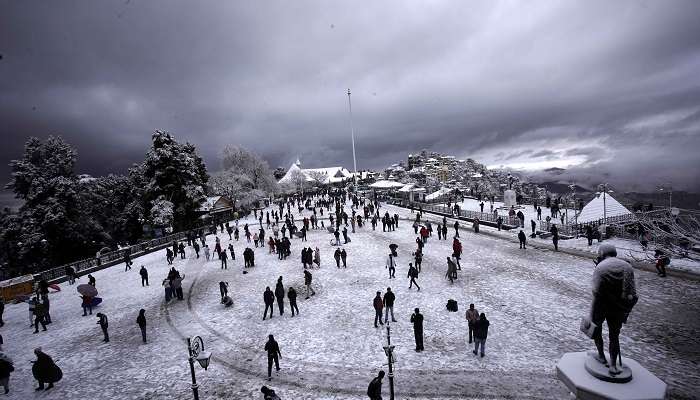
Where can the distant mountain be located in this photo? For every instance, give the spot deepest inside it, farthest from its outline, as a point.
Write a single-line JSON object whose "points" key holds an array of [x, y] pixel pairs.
{"points": [[559, 187], [555, 171]]}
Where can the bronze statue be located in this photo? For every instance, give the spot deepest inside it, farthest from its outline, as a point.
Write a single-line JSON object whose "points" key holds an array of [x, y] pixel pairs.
{"points": [[614, 296]]}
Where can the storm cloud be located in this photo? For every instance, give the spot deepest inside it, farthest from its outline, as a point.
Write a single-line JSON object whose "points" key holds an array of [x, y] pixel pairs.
{"points": [[607, 89]]}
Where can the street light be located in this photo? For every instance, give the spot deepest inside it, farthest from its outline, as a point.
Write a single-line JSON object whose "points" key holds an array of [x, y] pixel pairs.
{"points": [[195, 348], [389, 351]]}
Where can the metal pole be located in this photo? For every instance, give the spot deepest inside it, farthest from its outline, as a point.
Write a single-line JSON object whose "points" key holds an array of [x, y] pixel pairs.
{"points": [[352, 133], [195, 388], [605, 210], [391, 361]]}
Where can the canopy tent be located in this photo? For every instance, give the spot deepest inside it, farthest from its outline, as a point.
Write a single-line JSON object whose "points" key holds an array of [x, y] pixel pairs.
{"points": [[601, 205], [386, 185]]}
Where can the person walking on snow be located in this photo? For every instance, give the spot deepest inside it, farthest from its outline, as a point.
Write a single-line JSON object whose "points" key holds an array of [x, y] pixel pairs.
{"points": [[481, 331], [273, 355], [413, 274], [456, 225], [292, 296], [344, 257], [374, 390], [417, 321], [141, 322]]}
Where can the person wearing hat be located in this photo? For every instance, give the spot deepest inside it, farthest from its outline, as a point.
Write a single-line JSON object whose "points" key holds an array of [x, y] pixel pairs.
{"points": [[374, 390]]}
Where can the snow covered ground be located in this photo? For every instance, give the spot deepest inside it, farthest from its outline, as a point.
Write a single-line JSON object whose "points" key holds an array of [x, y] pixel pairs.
{"points": [[533, 298]]}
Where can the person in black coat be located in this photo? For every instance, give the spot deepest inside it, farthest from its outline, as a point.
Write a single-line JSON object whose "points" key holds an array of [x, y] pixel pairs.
{"points": [[481, 331], [292, 296], [6, 368], [2, 311], [269, 298], [269, 394], [141, 322], [413, 274], [45, 370], [417, 321], [555, 237], [344, 257], [144, 276], [374, 390], [223, 257], [223, 288], [273, 354], [522, 239], [336, 256], [279, 294], [104, 324]]}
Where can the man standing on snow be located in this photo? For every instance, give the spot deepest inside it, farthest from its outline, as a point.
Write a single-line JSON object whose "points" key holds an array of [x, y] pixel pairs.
{"points": [[472, 316], [389, 298], [417, 321], [144, 276], [273, 354], [522, 239], [104, 324], [391, 264], [269, 299], [413, 274], [307, 281], [378, 305], [279, 294]]}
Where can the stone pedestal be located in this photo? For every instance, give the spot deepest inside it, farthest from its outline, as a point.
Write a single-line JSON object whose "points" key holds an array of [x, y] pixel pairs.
{"points": [[509, 199], [571, 369]]}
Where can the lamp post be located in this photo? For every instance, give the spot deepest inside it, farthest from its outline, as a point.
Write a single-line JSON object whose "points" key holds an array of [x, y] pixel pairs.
{"points": [[604, 188], [195, 347], [352, 135], [389, 351]]}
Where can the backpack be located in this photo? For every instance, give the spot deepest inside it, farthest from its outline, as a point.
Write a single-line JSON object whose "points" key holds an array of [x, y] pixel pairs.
{"points": [[452, 305]]}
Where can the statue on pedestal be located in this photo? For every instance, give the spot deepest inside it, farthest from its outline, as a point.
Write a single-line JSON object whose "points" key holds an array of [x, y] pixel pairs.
{"points": [[614, 296]]}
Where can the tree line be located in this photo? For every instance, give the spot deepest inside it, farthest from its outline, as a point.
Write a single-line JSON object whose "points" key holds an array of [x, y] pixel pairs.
{"points": [[65, 217]]}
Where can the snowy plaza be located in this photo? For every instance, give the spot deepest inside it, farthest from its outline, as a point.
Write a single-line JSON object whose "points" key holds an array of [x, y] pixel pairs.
{"points": [[533, 298]]}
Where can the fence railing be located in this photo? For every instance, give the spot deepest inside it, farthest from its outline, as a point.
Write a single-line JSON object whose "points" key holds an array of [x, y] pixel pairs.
{"points": [[107, 259], [467, 214]]}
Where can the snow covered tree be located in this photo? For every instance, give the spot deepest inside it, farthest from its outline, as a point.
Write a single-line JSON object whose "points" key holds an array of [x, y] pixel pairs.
{"points": [[319, 178], [51, 227], [176, 173], [674, 232], [244, 162], [246, 178], [162, 212]]}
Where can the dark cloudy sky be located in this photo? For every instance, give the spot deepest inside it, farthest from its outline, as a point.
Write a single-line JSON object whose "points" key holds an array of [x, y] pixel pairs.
{"points": [[609, 89]]}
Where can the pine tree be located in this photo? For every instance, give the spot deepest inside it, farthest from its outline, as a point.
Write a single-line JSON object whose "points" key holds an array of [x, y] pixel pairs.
{"points": [[173, 172]]}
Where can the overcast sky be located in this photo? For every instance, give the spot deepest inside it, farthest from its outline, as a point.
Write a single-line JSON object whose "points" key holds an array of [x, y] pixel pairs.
{"points": [[609, 89]]}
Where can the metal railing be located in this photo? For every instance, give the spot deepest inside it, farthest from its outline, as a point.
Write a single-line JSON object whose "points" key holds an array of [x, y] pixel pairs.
{"points": [[466, 214], [112, 257]]}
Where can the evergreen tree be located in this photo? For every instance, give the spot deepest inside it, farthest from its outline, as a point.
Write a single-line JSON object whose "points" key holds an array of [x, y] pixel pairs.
{"points": [[51, 227], [173, 172]]}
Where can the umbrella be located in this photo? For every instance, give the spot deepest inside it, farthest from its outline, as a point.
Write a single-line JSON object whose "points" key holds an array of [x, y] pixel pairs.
{"points": [[87, 290]]}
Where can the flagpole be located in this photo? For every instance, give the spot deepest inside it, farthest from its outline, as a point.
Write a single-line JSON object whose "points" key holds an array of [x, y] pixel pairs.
{"points": [[352, 133]]}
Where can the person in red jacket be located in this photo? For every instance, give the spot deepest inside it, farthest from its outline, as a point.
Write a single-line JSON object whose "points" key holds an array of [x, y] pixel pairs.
{"points": [[378, 306], [457, 251]]}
